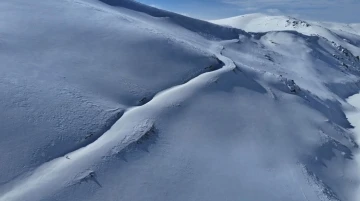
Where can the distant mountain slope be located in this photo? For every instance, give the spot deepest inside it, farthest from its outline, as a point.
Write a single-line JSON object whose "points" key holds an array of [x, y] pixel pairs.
{"points": [[353, 28], [259, 22], [115, 100], [346, 35]]}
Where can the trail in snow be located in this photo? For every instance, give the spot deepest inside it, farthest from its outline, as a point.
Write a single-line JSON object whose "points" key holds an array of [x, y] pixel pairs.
{"points": [[76, 166]]}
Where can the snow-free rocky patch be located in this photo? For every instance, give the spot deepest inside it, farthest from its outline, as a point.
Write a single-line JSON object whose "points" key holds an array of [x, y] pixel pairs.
{"points": [[116, 100]]}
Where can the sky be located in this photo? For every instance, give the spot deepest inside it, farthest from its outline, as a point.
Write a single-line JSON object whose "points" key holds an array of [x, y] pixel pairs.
{"points": [[347, 11]]}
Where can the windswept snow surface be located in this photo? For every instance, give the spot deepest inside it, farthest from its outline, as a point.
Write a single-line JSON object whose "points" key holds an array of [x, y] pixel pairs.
{"points": [[354, 118], [345, 35], [116, 100]]}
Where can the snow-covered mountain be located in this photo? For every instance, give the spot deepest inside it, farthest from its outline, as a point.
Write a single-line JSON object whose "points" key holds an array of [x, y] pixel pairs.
{"points": [[116, 100], [346, 35]]}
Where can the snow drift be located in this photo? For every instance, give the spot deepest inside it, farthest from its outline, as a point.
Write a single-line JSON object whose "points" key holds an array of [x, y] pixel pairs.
{"points": [[116, 100]]}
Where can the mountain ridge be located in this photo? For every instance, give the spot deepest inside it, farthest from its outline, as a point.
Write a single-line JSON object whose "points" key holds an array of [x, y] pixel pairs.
{"points": [[208, 112]]}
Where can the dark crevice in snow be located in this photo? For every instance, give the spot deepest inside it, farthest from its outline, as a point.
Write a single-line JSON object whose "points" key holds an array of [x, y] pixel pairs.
{"points": [[213, 67]]}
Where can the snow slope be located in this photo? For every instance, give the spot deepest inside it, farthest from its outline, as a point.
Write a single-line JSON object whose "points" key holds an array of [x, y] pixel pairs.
{"points": [[65, 78], [353, 115], [116, 100], [344, 35]]}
